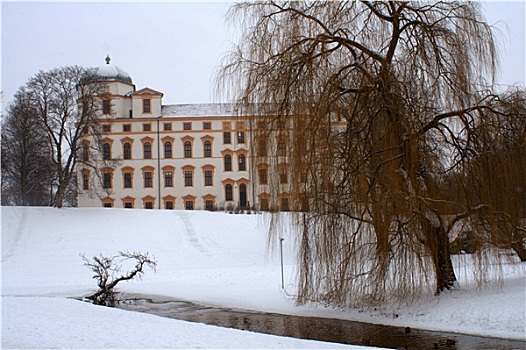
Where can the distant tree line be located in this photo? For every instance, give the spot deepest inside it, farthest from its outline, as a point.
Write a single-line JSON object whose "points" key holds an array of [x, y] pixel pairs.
{"points": [[41, 135]]}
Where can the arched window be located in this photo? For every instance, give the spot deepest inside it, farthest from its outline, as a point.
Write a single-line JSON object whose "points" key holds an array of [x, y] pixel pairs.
{"points": [[106, 151], [127, 150], [228, 162], [208, 149], [282, 148], [229, 195], [168, 149], [147, 150], [242, 162], [188, 149]]}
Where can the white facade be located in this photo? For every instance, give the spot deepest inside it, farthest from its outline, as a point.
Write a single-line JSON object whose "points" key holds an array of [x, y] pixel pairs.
{"points": [[172, 157]]}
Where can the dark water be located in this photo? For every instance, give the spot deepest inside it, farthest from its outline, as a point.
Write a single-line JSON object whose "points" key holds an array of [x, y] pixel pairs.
{"points": [[316, 328]]}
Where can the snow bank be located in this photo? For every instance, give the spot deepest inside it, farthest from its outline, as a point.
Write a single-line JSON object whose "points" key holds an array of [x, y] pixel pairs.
{"points": [[215, 259], [32, 322]]}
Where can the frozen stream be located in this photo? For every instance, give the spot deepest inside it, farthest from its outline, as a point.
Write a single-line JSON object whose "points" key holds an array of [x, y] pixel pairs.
{"points": [[316, 328]]}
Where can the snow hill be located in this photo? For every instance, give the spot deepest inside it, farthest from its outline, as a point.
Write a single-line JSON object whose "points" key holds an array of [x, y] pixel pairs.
{"points": [[214, 259]]}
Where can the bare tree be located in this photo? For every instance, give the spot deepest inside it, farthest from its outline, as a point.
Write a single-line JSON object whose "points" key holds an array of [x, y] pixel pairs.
{"points": [[108, 273], [66, 101], [368, 106], [27, 175]]}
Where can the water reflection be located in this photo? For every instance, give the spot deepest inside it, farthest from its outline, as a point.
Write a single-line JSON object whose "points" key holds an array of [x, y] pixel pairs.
{"points": [[315, 328]]}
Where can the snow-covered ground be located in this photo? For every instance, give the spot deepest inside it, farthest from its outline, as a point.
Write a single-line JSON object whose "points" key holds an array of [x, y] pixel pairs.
{"points": [[209, 258]]}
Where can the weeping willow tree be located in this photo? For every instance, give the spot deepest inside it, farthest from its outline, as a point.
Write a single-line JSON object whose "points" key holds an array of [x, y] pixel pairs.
{"points": [[497, 175], [362, 111]]}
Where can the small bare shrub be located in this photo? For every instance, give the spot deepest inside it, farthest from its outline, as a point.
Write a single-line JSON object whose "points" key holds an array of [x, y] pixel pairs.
{"points": [[108, 272]]}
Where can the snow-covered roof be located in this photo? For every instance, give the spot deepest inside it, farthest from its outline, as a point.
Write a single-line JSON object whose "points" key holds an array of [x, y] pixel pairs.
{"points": [[110, 72], [212, 110], [199, 110]]}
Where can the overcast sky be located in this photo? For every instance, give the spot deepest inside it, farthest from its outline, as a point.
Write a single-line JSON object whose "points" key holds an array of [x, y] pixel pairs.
{"points": [[172, 47]]}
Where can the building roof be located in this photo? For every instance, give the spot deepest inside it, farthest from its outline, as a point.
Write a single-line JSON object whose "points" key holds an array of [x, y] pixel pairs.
{"points": [[212, 110], [199, 110], [110, 72]]}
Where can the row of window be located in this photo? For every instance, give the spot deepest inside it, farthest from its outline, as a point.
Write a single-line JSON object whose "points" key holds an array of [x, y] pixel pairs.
{"points": [[262, 148], [149, 203], [168, 153], [148, 178], [282, 172], [227, 135], [189, 200], [146, 106], [264, 204], [168, 176], [189, 203]]}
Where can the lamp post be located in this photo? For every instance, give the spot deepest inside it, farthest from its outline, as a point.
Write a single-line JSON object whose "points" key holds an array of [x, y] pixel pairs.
{"points": [[159, 162], [281, 252]]}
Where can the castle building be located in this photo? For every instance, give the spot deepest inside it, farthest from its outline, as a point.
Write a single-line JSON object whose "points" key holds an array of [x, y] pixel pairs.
{"points": [[159, 156]]}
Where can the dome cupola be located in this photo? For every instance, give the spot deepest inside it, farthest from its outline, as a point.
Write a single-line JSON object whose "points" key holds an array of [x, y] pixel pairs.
{"points": [[110, 72]]}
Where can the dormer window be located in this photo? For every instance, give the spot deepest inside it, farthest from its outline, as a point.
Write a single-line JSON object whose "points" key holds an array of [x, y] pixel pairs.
{"points": [[146, 105]]}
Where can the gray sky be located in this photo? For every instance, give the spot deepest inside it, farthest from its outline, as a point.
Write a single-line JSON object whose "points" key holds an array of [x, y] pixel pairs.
{"points": [[173, 47]]}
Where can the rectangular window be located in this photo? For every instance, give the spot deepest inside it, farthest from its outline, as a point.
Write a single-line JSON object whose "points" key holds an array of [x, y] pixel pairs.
{"points": [[188, 178], [208, 178], [106, 128], [148, 179], [148, 205], [262, 148], [106, 151], [106, 106], [283, 178], [264, 204], [128, 205], [168, 179], [189, 205], [262, 173], [187, 126], [146, 105], [85, 152], [188, 149], [207, 125], [127, 180], [169, 205], [107, 205], [228, 162], [146, 127], [229, 194], [209, 205], [126, 127], [226, 138], [168, 149], [304, 203], [106, 182], [167, 126], [127, 150], [284, 204], [241, 137], [85, 182], [242, 162]]}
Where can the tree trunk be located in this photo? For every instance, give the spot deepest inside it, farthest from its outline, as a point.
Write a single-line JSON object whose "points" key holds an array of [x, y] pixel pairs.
{"points": [[437, 245], [520, 250], [59, 196]]}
